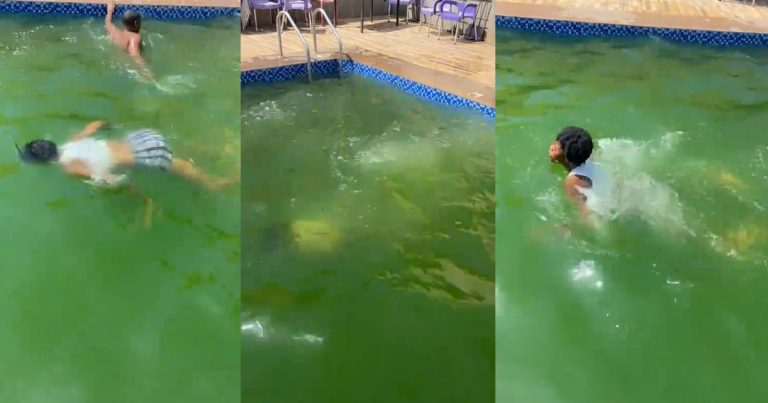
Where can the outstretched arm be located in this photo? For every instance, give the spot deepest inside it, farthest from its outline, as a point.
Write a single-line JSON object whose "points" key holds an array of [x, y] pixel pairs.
{"points": [[108, 19], [88, 130]]}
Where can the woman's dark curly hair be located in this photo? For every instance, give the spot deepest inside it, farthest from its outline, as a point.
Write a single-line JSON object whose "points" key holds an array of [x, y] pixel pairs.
{"points": [[40, 151], [576, 144]]}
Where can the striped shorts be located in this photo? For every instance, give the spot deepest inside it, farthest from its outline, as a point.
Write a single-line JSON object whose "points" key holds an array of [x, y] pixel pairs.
{"points": [[149, 149]]}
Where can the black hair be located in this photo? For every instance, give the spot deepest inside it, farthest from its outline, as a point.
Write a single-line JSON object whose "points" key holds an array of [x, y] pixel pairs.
{"points": [[576, 144], [39, 151], [132, 20]]}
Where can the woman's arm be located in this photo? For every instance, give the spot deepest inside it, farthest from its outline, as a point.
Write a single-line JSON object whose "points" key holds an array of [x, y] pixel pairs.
{"points": [[572, 186], [88, 130]]}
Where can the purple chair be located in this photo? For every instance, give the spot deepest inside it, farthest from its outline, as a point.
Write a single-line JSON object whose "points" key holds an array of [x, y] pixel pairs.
{"points": [[464, 12], [262, 5], [427, 12], [303, 5], [393, 3]]}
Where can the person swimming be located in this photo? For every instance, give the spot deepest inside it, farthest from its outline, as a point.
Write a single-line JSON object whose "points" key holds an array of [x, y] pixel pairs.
{"points": [[96, 159], [586, 179], [129, 40]]}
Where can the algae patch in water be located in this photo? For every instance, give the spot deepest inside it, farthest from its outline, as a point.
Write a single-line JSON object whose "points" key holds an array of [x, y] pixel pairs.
{"points": [[196, 279], [9, 169], [442, 279], [315, 235]]}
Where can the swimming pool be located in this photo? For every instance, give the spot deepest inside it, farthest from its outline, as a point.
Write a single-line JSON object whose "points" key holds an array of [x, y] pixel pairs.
{"points": [[368, 244], [96, 306], [666, 302]]}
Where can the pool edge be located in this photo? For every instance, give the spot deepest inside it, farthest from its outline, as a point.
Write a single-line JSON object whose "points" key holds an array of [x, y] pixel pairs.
{"points": [[157, 12], [330, 67], [582, 29]]}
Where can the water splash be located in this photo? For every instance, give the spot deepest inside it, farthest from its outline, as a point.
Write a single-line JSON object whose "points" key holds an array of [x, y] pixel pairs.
{"points": [[176, 84], [635, 191], [262, 111], [586, 273], [261, 329]]}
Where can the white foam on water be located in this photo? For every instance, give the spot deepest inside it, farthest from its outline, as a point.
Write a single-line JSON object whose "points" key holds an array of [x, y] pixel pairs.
{"points": [[150, 38], [550, 202], [634, 191], [405, 154], [264, 110], [253, 328], [176, 84], [308, 338], [262, 330], [586, 273], [98, 35]]}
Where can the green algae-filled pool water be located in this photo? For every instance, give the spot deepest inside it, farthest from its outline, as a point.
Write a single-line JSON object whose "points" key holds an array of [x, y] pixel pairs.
{"points": [[96, 306], [367, 246], [666, 302]]}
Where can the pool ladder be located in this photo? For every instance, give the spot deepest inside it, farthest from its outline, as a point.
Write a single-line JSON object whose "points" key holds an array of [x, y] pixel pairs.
{"points": [[333, 30], [283, 15], [279, 21]]}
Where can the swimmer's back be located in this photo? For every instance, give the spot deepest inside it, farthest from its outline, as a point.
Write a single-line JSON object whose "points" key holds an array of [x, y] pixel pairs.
{"points": [[127, 41]]}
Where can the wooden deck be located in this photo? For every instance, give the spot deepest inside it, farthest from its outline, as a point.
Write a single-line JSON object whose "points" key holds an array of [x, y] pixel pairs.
{"points": [[466, 69], [727, 15]]}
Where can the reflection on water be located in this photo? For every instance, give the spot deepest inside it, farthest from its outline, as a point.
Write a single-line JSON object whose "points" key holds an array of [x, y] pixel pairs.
{"points": [[374, 224], [630, 307]]}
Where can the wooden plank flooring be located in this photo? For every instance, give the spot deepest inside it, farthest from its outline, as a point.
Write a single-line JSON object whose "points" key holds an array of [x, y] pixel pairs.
{"points": [[466, 68], [728, 15]]}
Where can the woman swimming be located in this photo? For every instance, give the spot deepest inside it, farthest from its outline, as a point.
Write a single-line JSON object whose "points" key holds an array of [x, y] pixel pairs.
{"points": [[586, 180], [96, 159]]}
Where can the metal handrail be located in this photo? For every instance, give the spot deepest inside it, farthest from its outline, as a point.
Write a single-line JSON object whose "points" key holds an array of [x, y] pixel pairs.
{"points": [[279, 22], [333, 29]]}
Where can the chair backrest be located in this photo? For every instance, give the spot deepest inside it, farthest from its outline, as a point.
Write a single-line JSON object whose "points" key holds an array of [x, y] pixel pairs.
{"points": [[470, 11], [447, 5]]}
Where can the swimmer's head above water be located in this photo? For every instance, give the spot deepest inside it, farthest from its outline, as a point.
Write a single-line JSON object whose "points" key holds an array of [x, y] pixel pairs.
{"points": [[39, 151], [132, 21], [572, 147]]}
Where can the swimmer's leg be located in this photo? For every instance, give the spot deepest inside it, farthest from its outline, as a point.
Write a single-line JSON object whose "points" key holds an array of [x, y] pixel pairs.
{"points": [[186, 170]]}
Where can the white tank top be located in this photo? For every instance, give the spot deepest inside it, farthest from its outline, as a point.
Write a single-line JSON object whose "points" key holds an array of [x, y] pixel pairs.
{"points": [[599, 196], [588, 170], [94, 153]]}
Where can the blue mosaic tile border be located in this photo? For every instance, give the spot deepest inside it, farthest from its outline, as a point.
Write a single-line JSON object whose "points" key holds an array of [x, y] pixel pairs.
{"points": [[322, 68], [331, 68], [424, 91], [99, 10], [589, 29]]}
